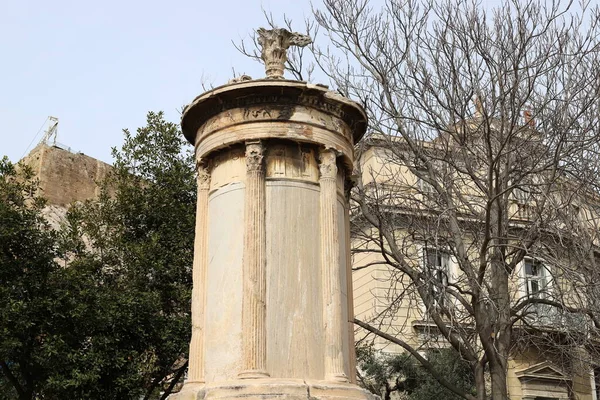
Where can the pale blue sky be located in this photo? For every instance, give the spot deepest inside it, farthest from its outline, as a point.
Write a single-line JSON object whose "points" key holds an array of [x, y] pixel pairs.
{"points": [[100, 66]]}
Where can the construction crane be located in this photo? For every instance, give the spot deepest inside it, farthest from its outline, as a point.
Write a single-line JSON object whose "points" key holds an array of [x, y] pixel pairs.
{"points": [[51, 132]]}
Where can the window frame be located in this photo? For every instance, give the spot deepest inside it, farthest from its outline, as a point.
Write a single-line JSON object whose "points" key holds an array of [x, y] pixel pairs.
{"points": [[541, 279], [441, 273]]}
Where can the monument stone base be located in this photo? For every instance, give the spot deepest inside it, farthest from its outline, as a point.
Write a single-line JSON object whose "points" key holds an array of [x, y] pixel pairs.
{"points": [[260, 389]]}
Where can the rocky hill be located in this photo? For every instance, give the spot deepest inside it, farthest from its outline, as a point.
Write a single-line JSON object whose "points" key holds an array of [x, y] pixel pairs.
{"points": [[66, 177]]}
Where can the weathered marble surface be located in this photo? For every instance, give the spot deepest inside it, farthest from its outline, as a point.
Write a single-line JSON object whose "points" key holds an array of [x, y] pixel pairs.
{"points": [[288, 389], [277, 306]]}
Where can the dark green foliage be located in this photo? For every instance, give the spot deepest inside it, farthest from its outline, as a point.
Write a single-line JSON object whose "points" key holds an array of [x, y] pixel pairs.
{"points": [[100, 309], [38, 322], [140, 234], [384, 374]]}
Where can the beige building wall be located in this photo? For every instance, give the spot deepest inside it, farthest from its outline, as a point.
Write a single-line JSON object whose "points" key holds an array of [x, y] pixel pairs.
{"points": [[374, 287]]}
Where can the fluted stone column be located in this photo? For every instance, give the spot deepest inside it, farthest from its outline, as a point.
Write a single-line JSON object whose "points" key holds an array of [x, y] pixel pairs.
{"points": [[348, 185], [196, 358], [254, 352], [330, 264]]}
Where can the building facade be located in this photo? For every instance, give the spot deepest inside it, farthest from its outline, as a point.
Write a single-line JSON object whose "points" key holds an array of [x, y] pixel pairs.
{"points": [[420, 234]]}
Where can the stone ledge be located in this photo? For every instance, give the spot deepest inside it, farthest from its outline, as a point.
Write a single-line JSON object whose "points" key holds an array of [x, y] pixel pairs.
{"points": [[260, 389]]}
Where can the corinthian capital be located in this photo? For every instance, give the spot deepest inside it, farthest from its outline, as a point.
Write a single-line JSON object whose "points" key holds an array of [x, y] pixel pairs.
{"points": [[274, 44], [327, 165], [203, 177], [254, 156]]}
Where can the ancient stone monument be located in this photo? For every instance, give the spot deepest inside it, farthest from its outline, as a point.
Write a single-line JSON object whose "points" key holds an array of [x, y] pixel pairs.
{"points": [[272, 295]]}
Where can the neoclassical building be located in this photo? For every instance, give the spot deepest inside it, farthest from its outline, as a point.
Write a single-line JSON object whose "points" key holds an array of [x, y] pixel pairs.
{"points": [[409, 278]]}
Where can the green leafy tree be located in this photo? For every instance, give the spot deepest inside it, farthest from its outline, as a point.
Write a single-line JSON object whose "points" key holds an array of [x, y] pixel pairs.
{"points": [[37, 321], [386, 374], [140, 235], [100, 308]]}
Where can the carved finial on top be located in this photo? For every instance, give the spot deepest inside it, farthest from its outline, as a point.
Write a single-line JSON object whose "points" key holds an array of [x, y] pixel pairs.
{"points": [[274, 43]]}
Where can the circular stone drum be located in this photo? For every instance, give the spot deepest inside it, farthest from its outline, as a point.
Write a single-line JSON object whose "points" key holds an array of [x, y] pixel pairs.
{"points": [[272, 296]]}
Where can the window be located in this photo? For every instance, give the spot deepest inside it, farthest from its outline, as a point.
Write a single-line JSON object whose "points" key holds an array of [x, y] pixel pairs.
{"points": [[522, 199], [596, 384], [425, 187], [426, 191], [535, 278], [436, 264], [521, 196]]}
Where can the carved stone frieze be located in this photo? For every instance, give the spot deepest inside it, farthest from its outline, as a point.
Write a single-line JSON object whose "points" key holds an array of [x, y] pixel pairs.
{"points": [[276, 102], [291, 113]]}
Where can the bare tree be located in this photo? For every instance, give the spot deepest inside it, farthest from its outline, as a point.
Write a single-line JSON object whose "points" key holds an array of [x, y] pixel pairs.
{"points": [[486, 127]]}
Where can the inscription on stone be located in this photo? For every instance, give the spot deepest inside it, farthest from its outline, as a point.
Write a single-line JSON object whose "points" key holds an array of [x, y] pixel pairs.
{"points": [[286, 106]]}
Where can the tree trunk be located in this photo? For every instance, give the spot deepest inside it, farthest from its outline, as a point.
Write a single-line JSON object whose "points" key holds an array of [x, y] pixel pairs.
{"points": [[480, 382], [174, 381], [498, 374], [21, 392], [499, 292]]}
